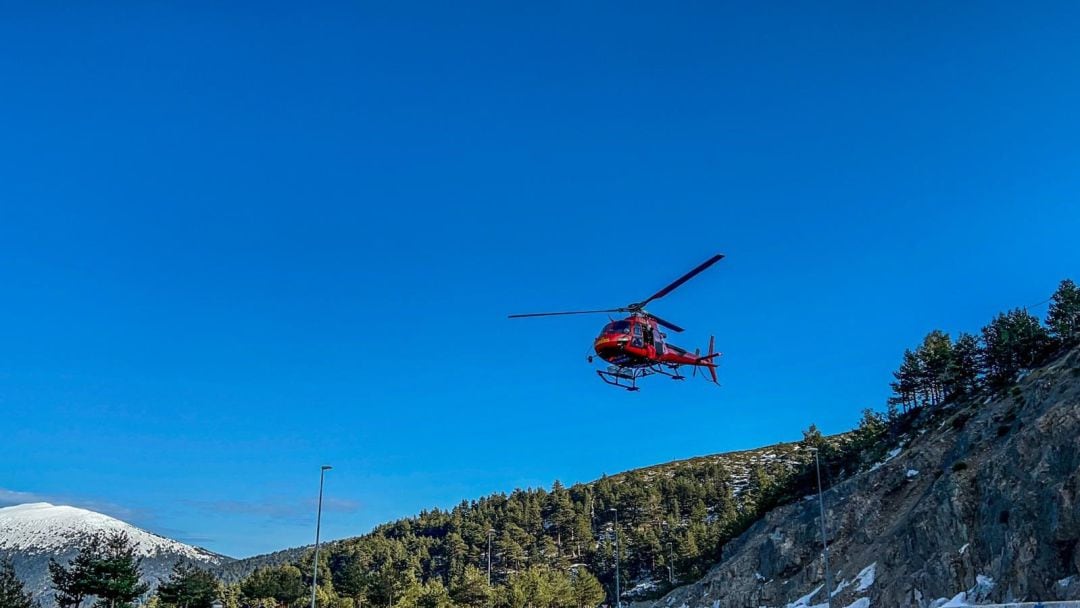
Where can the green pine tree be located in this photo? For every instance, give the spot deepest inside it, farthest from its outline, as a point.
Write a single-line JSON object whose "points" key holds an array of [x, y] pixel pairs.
{"points": [[1011, 342], [72, 583], [963, 369], [12, 592], [433, 594], [189, 587], [906, 386], [282, 585], [812, 437], [471, 588], [586, 589], [1063, 317], [871, 427], [934, 355]]}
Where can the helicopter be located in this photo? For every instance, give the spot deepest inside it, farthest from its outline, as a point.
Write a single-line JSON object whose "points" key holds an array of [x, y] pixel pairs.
{"points": [[635, 347]]}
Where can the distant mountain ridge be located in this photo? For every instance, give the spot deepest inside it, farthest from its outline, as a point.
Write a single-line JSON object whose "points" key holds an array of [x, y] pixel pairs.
{"points": [[32, 534]]}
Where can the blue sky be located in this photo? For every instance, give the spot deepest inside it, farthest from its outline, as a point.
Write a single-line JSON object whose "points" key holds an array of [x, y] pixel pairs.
{"points": [[240, 242]]}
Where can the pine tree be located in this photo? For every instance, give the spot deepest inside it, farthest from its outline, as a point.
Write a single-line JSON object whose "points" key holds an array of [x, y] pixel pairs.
{"points": [[1063, 317], [457, 551], [72, 583], [1012, 341], [536, 587], [105, 567], [510, 551], [587, 590], [812, 437], [963, 369], [189, 587], [934, 355], [12, 592], [281, 584], [116, 573], [906, 387], [352, 578], [871, 427], [759, 484], [562, 514], [471, 588], [433, 595]]}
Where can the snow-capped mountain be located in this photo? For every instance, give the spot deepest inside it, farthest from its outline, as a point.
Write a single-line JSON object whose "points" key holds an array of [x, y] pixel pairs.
{"points": [[31, 534]]}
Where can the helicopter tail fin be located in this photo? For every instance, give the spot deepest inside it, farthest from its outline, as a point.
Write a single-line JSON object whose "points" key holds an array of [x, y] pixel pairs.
{"points": [[708, 360]]}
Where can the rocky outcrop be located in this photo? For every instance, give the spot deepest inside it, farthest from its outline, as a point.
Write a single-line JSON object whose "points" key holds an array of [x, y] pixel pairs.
{"points": [[981, 501]]}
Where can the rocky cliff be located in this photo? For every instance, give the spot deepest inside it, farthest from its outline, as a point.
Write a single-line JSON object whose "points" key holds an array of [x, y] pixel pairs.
{"points": [[978, 503]]}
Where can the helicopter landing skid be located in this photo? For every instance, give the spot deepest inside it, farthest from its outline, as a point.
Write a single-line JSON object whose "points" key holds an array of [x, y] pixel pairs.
{"points": [[623, 377], [627, 377]]}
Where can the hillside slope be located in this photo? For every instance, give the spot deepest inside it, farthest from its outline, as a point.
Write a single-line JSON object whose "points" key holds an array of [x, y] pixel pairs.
{"points": [[980, 503], [677, 502], [33, 533]]}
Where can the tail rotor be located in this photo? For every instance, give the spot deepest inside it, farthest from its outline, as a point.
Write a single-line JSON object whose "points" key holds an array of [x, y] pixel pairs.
{"points": [[709, 360]]}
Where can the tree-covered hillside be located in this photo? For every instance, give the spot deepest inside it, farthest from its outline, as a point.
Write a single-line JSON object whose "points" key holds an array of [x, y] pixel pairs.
{"points": [[672, 519], [662, 525]]}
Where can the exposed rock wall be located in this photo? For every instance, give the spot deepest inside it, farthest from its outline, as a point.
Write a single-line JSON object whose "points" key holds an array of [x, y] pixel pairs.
{"points": [[983, 500]]}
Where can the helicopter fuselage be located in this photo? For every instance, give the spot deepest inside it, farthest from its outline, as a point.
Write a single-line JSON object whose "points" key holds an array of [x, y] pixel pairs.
{"points": [[636, 341]]}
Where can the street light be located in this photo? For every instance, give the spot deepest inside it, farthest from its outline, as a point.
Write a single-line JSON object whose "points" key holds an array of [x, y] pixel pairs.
{"points": [[491, 532], [824, 539], [318, 528], [618, 595]]}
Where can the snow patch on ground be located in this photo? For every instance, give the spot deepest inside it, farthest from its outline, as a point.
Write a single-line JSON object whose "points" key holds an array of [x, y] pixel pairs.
{"points": [[804, 601], [866, 577], [642, 587], [964, 549], [1065, 582], [964, 599], [862, 602], [912, 473], [956, 602], [893, 453]]}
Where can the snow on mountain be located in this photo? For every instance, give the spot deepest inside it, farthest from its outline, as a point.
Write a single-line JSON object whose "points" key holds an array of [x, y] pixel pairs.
{"points": [[42, 527], [33, 533]]}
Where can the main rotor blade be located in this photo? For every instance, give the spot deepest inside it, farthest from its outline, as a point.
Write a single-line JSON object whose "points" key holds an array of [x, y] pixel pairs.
{"points": [[686, 277], [667, 324], [572, 312]]}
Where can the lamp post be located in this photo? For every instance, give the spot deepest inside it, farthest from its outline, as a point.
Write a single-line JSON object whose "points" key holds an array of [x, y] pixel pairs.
{"points": [[824, 538], [491, 532], [318, 528], [618, 595]]}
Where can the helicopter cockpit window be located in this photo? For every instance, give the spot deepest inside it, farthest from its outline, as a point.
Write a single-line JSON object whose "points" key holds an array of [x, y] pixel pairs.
{"points": [[618, 327], [637, 330]]}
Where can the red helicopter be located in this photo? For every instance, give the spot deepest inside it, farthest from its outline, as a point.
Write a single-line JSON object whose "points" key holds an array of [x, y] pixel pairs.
{"points": [[636, 347]]}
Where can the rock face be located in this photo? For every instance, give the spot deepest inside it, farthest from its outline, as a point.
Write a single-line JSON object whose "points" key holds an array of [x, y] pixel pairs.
{"points": [[981, 504], [33, 533]]}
